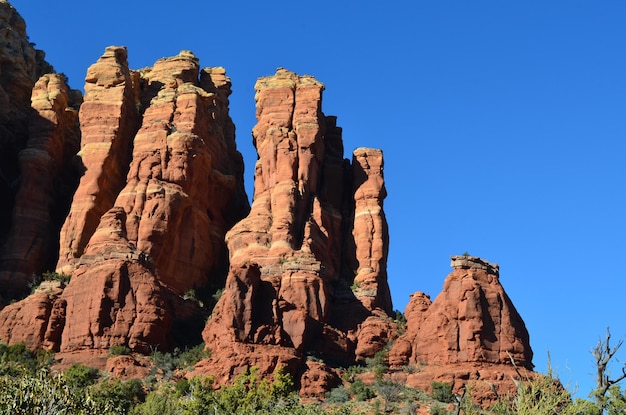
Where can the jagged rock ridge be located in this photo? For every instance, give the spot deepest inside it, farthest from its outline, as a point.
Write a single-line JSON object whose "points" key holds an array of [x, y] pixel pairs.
{"points": [[162, 185], [315, 229], [160, 212]]}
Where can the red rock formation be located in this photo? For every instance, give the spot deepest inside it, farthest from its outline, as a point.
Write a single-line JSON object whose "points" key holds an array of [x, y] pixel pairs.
{"points": [[20, 67], [469, 333], [148, 220], [53, 140], [38, 138], [162, 188], [108, 120], [27, 321], [318, 379], [315, 222]]}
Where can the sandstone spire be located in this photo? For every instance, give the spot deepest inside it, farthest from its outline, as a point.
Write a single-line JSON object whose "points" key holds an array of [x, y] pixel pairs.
{"points": [[162, 185], [316, 228]]}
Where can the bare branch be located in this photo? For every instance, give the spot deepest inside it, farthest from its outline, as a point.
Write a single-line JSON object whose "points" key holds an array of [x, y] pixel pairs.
{"points": [[604, 354]]}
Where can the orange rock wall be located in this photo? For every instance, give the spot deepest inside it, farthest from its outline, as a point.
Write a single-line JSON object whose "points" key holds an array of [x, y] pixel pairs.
{"points": [[316, 221], [38, 137], [160, 214], [162, 184]]}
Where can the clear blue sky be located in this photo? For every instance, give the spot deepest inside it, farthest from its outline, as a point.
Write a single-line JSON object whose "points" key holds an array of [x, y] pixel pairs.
{"points": [[503, 126]]}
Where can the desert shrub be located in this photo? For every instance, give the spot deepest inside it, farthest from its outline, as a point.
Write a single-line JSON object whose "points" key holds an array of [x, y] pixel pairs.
{"points": [[17, 359], [338, 395], [400, 320], [189, 357], [378, 364], [361, 391], [247, 395], [182, 387], [80, 376], [466, 404], [55, 276], [200, 396], [438, 409], [163, 401], [179, 359], [350, 374], [119, 350], [441, 392], [117, 397], [391, 392], [541, 395], [43, 394]]}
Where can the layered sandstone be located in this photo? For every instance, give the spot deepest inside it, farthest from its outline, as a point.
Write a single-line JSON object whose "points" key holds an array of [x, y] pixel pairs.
{"points": [[470, 333], [20, 67], [162, 185], [316, 228], [45, 185], [161, 190], [38, 137], [109, 120]]}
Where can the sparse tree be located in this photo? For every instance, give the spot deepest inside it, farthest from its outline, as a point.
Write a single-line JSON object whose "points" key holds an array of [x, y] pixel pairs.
{"points": [[604, 354]]}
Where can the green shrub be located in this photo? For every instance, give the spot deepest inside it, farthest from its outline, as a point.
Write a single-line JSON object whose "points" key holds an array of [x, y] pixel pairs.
{"points": [[378, 364], [400, 320], [338, 395], [80, 376], [247, 395], [390, 392], [182, 387], [351, 372], [438, 409], [117, 396], [43, 394], [361, 391], [163, 401], [178, 359], [441, 392], [55, 276], [119, 350], [17, 359], [539, 395]]}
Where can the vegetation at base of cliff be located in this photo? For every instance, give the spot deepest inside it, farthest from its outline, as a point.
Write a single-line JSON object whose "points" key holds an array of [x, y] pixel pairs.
{"points": [[28, 386]]}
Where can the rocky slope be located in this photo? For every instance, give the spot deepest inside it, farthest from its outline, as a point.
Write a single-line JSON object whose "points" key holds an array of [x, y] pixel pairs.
{"points": [[137, 191]]}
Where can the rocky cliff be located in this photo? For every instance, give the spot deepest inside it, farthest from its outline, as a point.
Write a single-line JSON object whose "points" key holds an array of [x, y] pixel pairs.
{"points": [[308, 264], [38, 138], [134, 194], [162, 184]]}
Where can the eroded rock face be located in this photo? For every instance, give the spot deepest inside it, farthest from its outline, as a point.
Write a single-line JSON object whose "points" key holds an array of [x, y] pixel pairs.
{"points": [[472, 327], [162, 185], [108, 120], [20, 67], [161, 189], [39, 135], [316, 227]]}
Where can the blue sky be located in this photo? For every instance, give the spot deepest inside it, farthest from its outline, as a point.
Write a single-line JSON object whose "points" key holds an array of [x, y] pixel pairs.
{"points": [[502, 123]]}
